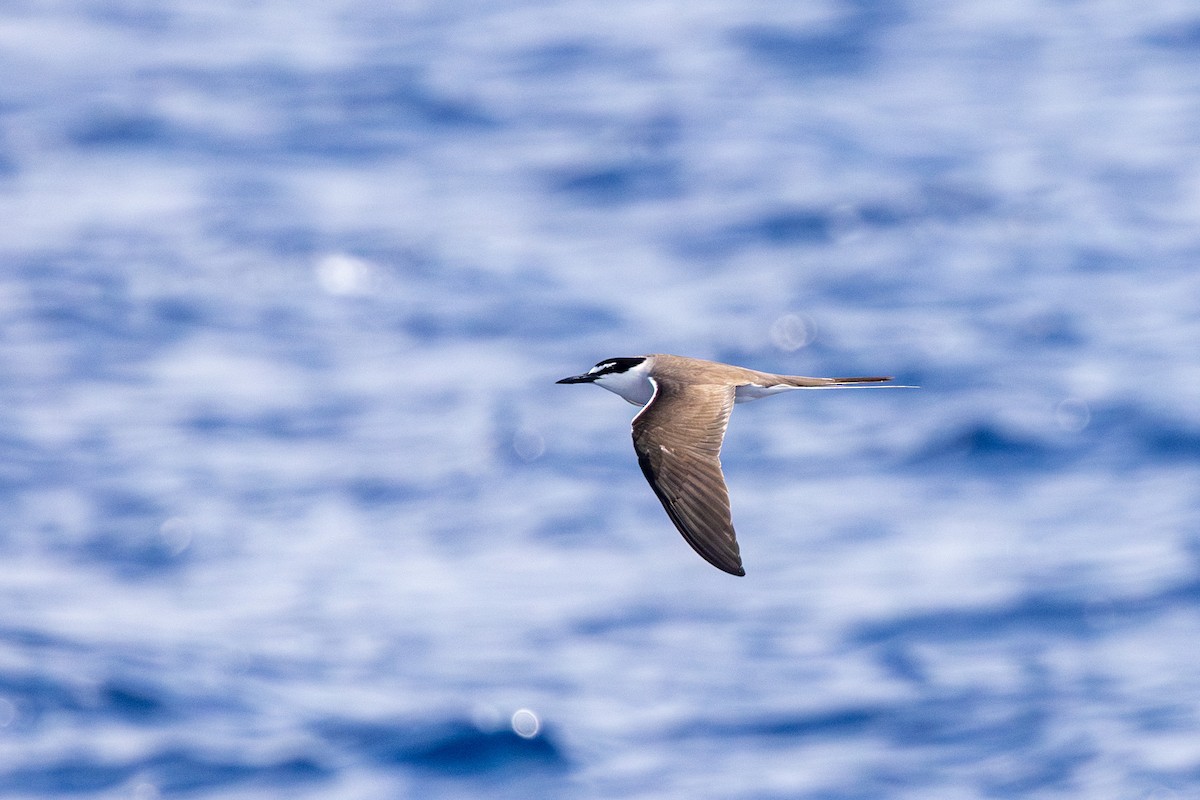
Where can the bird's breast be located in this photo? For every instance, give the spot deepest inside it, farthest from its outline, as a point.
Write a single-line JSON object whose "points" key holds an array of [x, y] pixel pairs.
{"points": [[634, 386]]}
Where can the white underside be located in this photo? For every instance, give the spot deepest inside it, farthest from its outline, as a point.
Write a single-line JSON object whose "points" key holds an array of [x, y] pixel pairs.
{"points": [[637, 387], [752, 391]]}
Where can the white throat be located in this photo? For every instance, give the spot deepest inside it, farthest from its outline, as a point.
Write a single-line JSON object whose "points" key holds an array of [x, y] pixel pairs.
{"points": [[633, 384]]}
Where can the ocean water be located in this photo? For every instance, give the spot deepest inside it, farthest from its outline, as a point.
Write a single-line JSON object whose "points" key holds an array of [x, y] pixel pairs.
{"points": [[292, 504]]}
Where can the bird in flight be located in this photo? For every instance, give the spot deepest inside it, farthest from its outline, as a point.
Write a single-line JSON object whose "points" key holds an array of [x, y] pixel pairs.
{"points": [[677, 435]]}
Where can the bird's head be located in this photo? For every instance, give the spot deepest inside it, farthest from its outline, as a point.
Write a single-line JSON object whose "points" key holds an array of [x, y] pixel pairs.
{"points": [[627, 377], [605, 369]]}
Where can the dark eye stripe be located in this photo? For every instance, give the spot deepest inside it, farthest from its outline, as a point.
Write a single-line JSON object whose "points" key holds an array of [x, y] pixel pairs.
{"points": [[615, 365]]}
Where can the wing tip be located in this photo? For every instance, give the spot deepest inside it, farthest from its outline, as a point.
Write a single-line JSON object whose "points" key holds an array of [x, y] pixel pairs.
{"points": [[728, 565]]}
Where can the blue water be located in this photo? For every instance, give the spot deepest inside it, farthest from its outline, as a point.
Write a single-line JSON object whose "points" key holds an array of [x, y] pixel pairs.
{"points": [[293, 506]]}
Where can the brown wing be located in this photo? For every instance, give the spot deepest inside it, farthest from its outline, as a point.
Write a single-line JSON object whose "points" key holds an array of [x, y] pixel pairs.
{"points": [[678, 437]]}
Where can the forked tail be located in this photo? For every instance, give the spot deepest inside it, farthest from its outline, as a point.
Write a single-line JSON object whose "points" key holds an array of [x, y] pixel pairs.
{"points": [[837, 383], [861, 380]]}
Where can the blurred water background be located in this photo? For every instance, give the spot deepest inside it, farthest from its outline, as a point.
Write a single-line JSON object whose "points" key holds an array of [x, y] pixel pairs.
{"points": [[293, 507]]}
